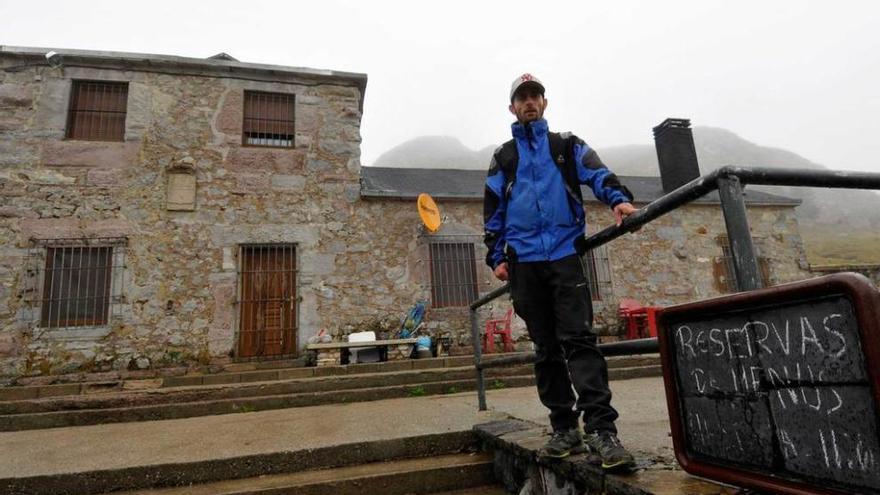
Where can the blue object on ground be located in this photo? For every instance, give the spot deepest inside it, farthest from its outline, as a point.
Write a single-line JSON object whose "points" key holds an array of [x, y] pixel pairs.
{"points": [[412, 320], [423, 342]]}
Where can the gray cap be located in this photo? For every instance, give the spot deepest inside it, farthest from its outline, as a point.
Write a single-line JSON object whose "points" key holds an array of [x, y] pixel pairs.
{"points": [[522, 81]]}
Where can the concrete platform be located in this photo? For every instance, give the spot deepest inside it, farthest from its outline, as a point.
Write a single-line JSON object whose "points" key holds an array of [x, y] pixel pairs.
{"points": [[89, 451]]}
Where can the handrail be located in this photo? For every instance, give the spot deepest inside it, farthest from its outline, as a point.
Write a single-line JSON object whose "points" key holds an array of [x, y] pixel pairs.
{"points": [[729, 181]]}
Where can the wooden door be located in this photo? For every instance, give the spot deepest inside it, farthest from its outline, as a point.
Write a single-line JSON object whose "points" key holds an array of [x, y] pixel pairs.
{"points": [[268, 301]]}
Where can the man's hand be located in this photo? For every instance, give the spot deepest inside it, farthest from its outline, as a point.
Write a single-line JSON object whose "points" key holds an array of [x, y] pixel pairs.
{"points": [[622, 211], [501, 272]]}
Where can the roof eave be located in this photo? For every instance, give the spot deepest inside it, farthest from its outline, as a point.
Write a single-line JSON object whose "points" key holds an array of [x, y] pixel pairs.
{"points": [[191, 66]]}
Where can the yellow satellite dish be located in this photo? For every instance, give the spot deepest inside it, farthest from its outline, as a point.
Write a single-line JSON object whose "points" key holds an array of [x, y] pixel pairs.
{"points": [[429, 212]]}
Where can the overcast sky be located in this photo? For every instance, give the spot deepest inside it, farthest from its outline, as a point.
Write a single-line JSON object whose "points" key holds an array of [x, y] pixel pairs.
{"points": [[800, 75]]}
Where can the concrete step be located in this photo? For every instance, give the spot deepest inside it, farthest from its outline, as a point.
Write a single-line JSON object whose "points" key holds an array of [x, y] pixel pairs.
{"points": [[244, 390], [409, 461], [229, 374], [184, 402], [419, 475], [176, 410], [258, 372]]}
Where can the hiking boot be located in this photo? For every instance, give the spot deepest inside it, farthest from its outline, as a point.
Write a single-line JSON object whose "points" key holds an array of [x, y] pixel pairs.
{"points": [[614, 456], [562, 444]]}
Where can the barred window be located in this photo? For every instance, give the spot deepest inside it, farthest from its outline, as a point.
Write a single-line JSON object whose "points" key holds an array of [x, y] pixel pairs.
{"points": [[268, 119], [453, 274], [598, 272], [80, 280], [725, 272], [97, 111]]}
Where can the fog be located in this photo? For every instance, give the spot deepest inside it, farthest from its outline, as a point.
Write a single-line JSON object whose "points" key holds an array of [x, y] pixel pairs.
{"points": [[799, 75]]}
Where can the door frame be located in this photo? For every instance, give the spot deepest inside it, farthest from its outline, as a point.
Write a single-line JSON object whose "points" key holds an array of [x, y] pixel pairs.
{"points": [[294, 303]]}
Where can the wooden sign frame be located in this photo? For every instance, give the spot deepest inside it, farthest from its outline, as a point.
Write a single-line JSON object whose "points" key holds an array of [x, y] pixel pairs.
{"points": [[865, 300]]}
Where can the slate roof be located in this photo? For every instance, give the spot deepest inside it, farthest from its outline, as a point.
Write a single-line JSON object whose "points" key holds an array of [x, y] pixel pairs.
{"points": [[408, 183]]}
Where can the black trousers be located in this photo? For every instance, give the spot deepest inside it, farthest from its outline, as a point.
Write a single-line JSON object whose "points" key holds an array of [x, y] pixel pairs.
{"points": [[553, 298]]}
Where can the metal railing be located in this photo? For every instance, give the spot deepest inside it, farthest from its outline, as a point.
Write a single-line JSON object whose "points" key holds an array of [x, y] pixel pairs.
{"points": [[729, 182]]}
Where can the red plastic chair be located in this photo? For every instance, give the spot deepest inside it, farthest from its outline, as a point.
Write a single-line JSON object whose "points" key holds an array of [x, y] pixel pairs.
{"points": [[640, 321], [498, 327]]}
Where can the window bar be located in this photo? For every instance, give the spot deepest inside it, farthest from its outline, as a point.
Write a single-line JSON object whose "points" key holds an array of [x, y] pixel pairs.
{"points": [[278, 294], [87, 265], [441, 276], [443, 286], [276, 120], [288, 294], [106, 280], [473, 288], [258, 120], [115, 96], [65, 270], [264, 124], [258, 123], [106, 112], [71, 114], [252, 315], [82, 115], [247, 264], [452, 263], [254, 323], [432, 275], [241, 291], [121, 276], [100, 111], [255, 309], [66, 277], [76, 279], [93, 276], [46, 294], [444, 269], [261, 310], [457, 273], [112, 279], [74, 117], [59, 287], [56, 290], [92, 109]]}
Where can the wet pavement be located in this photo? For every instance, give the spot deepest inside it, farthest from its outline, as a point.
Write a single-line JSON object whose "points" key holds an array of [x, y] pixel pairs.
{"points": [[643, 427]]}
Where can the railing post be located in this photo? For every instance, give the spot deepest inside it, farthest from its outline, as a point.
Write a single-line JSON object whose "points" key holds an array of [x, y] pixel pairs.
{"points": [[478, 358], [742, 249]]}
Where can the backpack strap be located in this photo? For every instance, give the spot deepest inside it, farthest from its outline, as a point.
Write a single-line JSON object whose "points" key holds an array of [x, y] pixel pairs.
{"points": [[562, 152], [507, 158]]}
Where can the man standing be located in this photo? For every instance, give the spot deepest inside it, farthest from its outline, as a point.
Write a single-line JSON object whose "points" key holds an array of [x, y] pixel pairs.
{"points": [[534, 229]]}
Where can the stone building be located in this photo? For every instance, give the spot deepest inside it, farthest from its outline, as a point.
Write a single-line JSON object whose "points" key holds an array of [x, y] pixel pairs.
{"points": [[680, 257], [160, 211]]}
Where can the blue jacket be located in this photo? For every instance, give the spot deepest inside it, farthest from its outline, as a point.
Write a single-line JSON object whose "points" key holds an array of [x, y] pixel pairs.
{"points": [[532, 205]]}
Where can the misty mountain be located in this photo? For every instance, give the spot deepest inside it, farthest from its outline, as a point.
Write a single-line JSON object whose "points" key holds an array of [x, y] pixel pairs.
{"points": [[435, 152], [715, 148]]}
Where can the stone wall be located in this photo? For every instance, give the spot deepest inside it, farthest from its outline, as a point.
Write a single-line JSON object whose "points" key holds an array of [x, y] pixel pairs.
{"points": [[669, 261], [361, 263], [179, 299]]}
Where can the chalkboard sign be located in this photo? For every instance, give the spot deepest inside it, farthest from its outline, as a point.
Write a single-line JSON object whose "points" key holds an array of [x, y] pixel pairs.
{"points": [[777, 389]]}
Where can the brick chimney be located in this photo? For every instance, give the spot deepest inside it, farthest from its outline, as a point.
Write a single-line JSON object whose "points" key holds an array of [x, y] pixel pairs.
{"points": [[676, 153]]}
